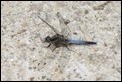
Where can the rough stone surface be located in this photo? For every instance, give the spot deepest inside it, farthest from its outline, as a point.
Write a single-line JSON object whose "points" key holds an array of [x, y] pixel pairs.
{"points": [[23, 52]]}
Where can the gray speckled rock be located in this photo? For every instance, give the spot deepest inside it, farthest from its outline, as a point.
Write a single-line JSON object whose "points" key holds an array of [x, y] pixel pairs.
{"points": [[23, 52]]}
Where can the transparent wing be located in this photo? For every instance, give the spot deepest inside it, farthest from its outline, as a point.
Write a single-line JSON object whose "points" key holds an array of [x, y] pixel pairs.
{"points": [[64, 58], [55, 30], [64, 28], [65, 53]]}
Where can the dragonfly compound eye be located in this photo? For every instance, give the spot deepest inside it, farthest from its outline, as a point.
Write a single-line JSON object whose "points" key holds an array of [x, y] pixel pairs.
{"points": [[47, 39]]}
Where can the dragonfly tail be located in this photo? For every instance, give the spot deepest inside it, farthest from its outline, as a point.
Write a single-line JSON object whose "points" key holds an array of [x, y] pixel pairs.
{"points": [[88, 43]]}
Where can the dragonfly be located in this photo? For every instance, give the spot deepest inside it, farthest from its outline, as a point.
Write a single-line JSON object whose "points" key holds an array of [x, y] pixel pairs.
{"points": [[60, 39]]}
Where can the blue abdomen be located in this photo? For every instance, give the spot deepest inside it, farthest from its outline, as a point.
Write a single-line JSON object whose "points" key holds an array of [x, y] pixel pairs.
{"points": [[80, 42]]}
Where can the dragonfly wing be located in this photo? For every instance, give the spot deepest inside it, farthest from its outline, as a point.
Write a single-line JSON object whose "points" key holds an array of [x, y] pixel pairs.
{"points": [[64, 28], [64, 58], [55, 30], [65, 53]]}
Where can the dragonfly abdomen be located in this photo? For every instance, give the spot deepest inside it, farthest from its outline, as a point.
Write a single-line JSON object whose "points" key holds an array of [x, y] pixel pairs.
{"points": [[80, 42]]}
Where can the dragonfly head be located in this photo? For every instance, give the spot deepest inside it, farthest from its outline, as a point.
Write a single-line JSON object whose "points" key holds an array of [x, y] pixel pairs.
{"points": [[47, 39]]}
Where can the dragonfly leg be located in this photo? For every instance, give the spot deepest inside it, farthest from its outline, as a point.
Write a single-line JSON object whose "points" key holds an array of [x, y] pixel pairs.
{"points": [[49, 45], [54, 49], [68, 48]]}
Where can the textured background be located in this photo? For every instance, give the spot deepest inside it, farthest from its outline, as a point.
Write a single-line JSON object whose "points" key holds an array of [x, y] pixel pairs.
{"points": [[24, 56]]}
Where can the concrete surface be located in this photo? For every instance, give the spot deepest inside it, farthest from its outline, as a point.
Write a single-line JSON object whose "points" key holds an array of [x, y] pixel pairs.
{"points": [[23, 52]]}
